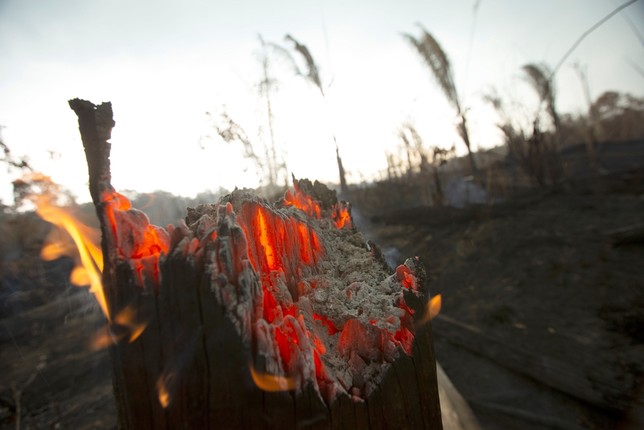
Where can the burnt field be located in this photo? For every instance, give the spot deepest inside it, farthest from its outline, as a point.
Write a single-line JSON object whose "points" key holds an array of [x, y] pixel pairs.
{"points": [[542, 321]]}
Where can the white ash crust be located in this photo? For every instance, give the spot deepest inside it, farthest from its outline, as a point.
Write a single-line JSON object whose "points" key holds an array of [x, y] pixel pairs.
{"points": [[352, 285]]}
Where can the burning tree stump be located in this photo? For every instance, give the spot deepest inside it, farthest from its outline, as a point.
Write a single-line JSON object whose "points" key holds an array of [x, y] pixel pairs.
{"points": [[257, 315]]}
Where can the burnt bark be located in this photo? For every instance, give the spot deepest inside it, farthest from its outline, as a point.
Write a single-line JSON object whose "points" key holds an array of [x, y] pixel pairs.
{"points": [[190, 368]]}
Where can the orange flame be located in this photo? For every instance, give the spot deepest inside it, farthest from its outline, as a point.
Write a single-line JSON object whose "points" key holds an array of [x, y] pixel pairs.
{"points": [[128, 325], [102, 339], [90, 264], [163, 388], [433, 308], [272, 383], [127, 318], [84, 248]]}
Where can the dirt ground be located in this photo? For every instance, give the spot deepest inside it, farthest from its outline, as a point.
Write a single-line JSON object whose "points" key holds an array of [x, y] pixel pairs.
{"points": [[542, 323]]}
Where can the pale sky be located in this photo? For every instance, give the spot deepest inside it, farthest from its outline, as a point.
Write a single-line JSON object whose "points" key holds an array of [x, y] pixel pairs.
{"points": [[163, 64]]}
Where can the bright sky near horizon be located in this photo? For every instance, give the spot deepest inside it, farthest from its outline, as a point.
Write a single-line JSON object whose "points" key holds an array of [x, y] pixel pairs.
{"points": [[164, 64]]}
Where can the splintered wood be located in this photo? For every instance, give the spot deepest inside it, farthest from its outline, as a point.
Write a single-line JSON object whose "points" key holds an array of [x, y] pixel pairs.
{"points": [[257, 315]]}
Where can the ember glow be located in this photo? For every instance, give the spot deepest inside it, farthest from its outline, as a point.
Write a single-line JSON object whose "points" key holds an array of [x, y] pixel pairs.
{"points": [[279, 244], [276, 274], [142, 244], [303, 202], [341, 216], [319, 308], [296, 280], [340, 212]]}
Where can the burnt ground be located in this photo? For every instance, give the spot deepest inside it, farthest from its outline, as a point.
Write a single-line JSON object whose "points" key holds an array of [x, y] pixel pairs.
{"points": [[50, 376], [542, 322]]}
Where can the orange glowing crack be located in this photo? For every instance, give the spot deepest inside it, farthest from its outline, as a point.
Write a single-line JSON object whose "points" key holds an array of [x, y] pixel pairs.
{"points": [[270, 305], [305, 247], [330, 327], [265, 241], [319, 367], [284, 337], [275, 243], [319, 346], [405, 338]]}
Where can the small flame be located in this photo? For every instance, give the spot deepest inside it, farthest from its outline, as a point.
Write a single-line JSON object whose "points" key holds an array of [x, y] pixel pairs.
{"points": [[84, 247], [272, 383], [163, 388], [56, 249], [102, 339], [433, 308], [164, 397], [89, 255], [126, 324], [127, 318]]}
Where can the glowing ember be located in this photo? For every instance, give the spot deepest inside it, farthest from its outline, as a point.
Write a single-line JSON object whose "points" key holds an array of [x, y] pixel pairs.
{"points": [[305, 292], [302, 201], [290, 288], [297, 281], [341, 216], [340, 211], [137, 241]]}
